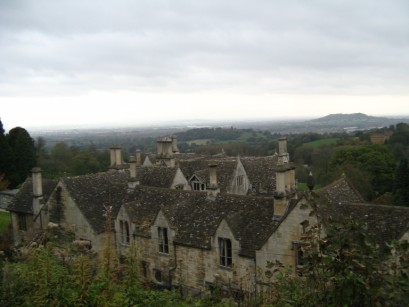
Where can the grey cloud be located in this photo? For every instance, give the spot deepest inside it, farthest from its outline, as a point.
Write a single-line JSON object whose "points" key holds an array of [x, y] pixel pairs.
{"points": [[276, 46]]}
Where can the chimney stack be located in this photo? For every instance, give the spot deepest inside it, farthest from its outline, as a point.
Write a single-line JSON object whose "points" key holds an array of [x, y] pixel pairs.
{"points": [[138, 158], [112, 155], [132, 181], [37, 197], [116, 156], [132, 168], [213, 188], [37, 182], [175, 148], [283, 156]]}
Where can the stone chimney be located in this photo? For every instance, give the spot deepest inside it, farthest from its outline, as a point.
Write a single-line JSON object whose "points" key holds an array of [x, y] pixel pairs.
{"points": [[37, 196], [132, 167], [282, 145], [112, 156], [175, 148], [37, 182], [280, 206], [283, 156], [116, 156], [165, 151], [213, 188], [138, 158], [280, 184], [132, 181]]}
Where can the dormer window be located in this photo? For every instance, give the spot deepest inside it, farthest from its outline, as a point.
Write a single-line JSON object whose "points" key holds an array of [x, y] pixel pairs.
{"points": [[197, 184], [163, 241], [225, 252]]}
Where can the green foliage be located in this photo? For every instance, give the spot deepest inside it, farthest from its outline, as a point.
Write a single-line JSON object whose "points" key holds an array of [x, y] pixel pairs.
{"points": [[342, 268], [85, 163], [4, 222], [375, 162], [7, 164], [64, 161], [401, 184], [318, 143], [22, 146]]}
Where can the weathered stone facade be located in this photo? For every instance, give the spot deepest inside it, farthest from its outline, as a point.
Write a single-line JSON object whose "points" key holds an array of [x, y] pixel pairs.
{"points": [[246, 213]]}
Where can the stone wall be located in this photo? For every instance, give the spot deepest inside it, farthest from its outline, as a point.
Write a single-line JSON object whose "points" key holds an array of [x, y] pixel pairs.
{"points": [[280, 245]]}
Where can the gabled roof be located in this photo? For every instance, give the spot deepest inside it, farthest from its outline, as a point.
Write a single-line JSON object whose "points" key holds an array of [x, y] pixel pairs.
{"points": [[261, 173], [190, 167], [340, 200], [225, 170], [156, 176], [94, 191], [195, 217], [23, 201], [340, 191]]}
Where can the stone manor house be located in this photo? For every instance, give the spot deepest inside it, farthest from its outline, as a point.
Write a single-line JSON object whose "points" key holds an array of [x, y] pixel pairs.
{"points": [[197, 220]]}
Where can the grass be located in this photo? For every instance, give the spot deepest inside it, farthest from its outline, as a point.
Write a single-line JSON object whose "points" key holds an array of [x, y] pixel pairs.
{"points": [[4, 221], [199, 142]]}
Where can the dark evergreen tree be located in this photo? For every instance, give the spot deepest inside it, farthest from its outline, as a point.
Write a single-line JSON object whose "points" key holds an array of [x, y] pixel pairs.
{"points": [[401, 184], [7, 165], [24, 151]]}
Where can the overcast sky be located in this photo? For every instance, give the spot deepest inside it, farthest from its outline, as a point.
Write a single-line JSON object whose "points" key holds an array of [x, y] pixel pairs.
{"points": [[106, 62]]}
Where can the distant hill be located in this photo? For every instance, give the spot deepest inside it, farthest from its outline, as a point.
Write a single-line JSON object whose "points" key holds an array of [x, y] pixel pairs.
{"points": [[354, 117]]}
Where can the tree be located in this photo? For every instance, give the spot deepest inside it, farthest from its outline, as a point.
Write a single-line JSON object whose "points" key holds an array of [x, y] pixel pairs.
{"points": [[401, 184], [343, 267], [22, 146], [375, 160], [7, 165], [85, 163]]}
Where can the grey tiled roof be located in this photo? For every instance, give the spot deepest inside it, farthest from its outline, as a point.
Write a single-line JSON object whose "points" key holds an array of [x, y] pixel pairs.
{"points": [[383, 223], [92, 192], [195, 217], [156, 176], [340, 191], [261, 173], [225, 170], [23, 201]]}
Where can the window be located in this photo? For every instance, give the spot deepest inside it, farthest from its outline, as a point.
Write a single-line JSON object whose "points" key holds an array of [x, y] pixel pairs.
{"points": [[124, 229], [163, 240], [22, 224], [121, 228], [299, 248], [158, 275], [197, 184], [299, 256], [145, 266], [240, 180], [225, 252], [127, 237]]}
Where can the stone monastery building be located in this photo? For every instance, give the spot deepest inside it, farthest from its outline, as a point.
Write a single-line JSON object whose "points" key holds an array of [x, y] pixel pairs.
{"points": [[197, 219]]}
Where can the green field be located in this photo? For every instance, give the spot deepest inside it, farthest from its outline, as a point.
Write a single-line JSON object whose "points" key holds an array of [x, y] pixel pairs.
{"points": [[318, 143], [199, 142], [247, 135], [4, 221]]}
